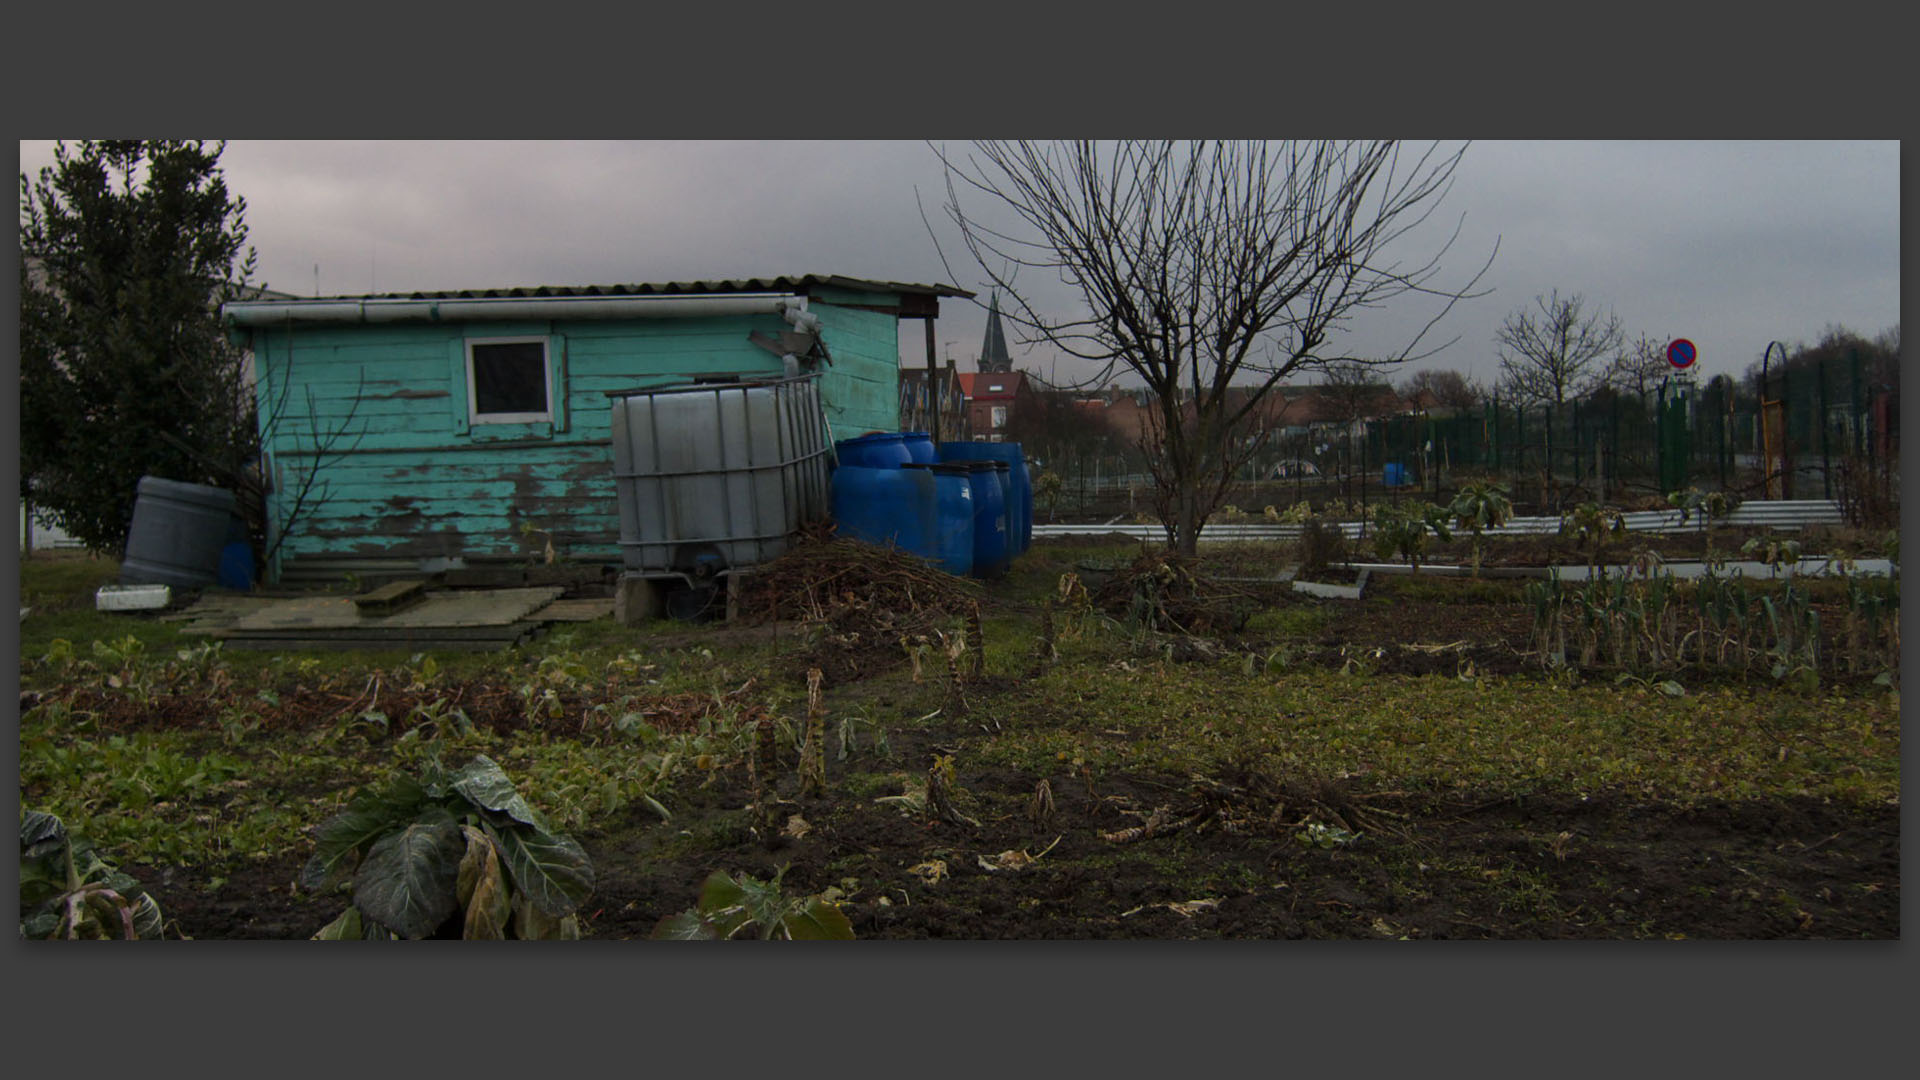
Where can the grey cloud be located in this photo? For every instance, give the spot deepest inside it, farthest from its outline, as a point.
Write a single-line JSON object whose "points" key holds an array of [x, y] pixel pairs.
{"points": [[1732, 244]]}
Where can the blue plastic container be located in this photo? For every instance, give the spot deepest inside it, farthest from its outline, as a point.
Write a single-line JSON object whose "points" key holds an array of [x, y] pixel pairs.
{"points": [[1396, 475], [916, 510], [1020, 503], [875, 450], [919, 446], [1003, 473], [990, 532], [236, 566], [952, 549], [236, 559]]}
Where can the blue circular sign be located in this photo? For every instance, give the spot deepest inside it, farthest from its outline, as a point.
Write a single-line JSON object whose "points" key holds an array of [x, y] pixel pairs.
{"points": [[1681, 353]]}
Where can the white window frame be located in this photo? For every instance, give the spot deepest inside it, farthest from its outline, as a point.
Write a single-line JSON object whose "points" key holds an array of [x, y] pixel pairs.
{"points": [[475, 416], [998, 413]]}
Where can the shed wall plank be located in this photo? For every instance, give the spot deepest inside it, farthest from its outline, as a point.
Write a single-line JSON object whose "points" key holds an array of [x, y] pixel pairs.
{"points": [[421, 483]]}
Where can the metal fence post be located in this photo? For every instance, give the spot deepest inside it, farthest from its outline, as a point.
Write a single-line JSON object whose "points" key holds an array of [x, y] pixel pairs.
{"points": [[1826, 451], [1859, 416]]}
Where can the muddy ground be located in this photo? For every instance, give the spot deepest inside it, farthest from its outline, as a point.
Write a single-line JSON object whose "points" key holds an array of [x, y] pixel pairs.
{"points": [[1598, 867], [1069, 856], [1231, 864]]}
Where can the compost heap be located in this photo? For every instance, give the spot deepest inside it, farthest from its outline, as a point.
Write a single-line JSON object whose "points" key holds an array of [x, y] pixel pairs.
{"points": [[1161, 592], [863, 609]]}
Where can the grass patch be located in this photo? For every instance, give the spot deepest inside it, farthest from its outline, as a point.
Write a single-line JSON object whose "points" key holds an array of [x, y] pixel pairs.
{"points": [[1438, 734], [1446, 589], [1292, 621], [179, 798]]}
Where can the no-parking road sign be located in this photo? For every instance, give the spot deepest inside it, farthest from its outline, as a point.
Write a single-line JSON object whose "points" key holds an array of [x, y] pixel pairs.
{"points": [[1681, 353]]}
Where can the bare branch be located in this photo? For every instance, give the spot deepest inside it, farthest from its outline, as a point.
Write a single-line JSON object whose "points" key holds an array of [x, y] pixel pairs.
{"points": [[1549, 355], [1210, 270]]}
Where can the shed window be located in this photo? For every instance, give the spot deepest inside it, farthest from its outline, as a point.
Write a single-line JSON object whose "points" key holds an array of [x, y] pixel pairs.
{"points": [[508, 381]]}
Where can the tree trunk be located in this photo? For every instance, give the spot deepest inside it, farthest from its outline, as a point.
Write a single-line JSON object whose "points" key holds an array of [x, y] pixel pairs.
{"points": [[1186, 526]]}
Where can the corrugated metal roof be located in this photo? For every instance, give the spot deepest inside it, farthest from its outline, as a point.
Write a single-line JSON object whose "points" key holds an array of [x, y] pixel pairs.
{"points": [[801, 284]]}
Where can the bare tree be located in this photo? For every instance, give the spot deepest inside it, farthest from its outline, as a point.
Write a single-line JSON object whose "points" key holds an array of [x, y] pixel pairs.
{"points": [[1640, 368], [1199, 265], [1451, 389], [1353, 389], [1888, 340], [1548, 353]]}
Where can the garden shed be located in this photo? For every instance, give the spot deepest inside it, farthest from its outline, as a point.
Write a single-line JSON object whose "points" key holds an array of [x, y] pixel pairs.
{"points": [[406, 432]]}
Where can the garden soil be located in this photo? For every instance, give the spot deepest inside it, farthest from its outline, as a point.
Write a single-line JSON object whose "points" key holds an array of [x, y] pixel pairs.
{"points": [[1596, 867], [1072, 856], [1087, 865]]}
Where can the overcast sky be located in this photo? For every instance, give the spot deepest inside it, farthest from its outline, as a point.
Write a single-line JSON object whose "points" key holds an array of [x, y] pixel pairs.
{"points": [[1729, 244]]}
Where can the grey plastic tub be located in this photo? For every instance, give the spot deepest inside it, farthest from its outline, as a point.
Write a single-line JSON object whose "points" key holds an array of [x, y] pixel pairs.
{"points": [[716, 477], [177, 534]]}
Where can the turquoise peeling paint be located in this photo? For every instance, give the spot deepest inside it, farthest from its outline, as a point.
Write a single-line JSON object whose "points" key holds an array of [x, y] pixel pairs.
{"points": [[408, 476]]}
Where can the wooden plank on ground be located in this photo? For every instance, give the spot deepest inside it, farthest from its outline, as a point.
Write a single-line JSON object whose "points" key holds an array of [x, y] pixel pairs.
{"points": [[336, 642], [307, 612], [488, 607], [582, 609], [214, 612], [400, 634], [391, 597]]}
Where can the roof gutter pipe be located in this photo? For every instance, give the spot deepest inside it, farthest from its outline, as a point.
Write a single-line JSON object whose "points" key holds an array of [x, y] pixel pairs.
{"points": [[280, 312]]}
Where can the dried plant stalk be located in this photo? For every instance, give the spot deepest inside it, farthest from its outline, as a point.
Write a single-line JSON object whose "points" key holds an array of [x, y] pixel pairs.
{"points": [[941, 789], [1040, 807], [763, 766], [977, 641], [956, 681], [813, 763], [1044, 652]]}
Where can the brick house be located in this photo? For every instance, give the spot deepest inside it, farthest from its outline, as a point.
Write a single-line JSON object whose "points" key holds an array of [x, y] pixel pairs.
{"points": [[993, 399]]}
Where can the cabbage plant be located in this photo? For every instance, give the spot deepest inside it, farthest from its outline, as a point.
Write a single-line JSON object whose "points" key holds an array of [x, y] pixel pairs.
{"points": [[457, 854], [67, 891]]}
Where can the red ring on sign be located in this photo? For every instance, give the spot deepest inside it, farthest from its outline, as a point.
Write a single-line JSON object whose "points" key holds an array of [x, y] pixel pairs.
{"points": [[1681, 353]]}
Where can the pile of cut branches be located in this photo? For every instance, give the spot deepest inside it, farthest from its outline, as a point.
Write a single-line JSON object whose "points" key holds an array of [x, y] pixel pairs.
{"points": [[863, 606], [1320, 812], [1161, 592], [815, 576]]}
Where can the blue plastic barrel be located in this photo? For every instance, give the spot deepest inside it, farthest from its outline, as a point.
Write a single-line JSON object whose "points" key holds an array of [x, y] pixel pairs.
{"points": [[1395, 475], [919, 446], [918, 510], [990, 532], [1020, 504], [952, 548], [236, 559], [1003, 473], [886, 507], [874, 450]]}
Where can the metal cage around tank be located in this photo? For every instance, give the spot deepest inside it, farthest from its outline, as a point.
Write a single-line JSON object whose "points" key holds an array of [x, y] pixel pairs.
{"points": [[714, 477]]}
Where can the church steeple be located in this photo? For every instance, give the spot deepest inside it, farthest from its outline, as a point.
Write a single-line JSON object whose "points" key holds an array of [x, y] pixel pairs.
{"points": [[993, 350]]}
